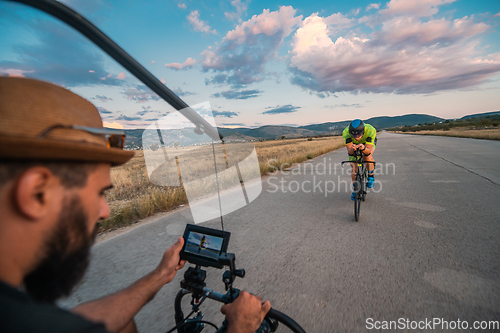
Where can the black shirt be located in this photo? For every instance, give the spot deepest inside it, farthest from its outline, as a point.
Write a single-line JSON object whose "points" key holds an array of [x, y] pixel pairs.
{"points": [[20, 313]]}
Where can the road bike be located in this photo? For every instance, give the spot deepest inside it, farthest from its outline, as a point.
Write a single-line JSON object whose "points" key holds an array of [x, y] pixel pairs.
{"points": [[360, 181]]}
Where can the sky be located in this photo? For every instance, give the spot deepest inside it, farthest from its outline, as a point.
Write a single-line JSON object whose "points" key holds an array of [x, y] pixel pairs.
{"points": [[261, 63]]}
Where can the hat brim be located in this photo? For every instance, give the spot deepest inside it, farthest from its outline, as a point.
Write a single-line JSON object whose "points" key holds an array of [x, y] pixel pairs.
{"points": [[30, 149]]}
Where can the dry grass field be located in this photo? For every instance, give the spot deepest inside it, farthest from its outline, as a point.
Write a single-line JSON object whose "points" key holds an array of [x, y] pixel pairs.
{"points": [[135, 197], [464, 132]]}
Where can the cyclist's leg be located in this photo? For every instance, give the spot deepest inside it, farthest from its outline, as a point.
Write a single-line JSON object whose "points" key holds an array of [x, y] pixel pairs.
{"points": [[370, 167], [354, 169]]}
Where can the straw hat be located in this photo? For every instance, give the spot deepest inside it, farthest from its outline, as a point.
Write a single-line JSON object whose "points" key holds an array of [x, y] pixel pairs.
{"points": [[29, 107]]}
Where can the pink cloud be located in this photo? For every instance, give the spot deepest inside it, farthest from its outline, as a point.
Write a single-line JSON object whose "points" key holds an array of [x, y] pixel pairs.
{"points": [[189, 63], [241, 55], [182, 5], [121, 76], [406, 56], [373, 6], [91, 71], [14, 72], [268, 23], [153, 61], [240, 9], [420, 8], [199, 25]]}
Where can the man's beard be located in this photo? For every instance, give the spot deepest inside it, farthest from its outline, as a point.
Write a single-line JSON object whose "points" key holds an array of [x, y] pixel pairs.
{"points": [[65, 256]]}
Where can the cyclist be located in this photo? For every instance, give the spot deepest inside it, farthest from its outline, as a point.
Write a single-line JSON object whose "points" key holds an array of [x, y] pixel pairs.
{"points": [[52, 182], [359, 135], [203, 244]]}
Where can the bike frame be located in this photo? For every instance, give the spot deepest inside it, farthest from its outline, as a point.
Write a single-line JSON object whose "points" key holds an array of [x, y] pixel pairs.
{"points": [[360, 180]]}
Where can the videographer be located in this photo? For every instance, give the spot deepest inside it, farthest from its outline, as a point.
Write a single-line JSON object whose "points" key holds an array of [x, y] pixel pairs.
{"points": [[54, 170]]}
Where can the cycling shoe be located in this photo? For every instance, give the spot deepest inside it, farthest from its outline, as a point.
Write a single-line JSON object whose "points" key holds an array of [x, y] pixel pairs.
{"points": [[353, 196], [370, 182]]}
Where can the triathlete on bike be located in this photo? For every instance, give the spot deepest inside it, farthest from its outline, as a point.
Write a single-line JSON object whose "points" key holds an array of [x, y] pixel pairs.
{"points": [[359, 135]]}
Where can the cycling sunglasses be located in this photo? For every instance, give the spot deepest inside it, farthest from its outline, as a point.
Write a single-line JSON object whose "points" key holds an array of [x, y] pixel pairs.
{"points": [[115, 138]]}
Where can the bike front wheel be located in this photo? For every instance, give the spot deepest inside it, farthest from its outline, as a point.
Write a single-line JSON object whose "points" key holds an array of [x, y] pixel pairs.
{"points": [[363, 184], [358, 197]]}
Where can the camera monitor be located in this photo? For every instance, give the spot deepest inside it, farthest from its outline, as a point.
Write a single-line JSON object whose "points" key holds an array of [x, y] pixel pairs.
{"points": [[203, 246]]}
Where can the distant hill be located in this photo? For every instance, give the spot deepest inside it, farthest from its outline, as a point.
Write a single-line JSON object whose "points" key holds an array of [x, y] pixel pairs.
{"points": [[273, 132], [134, 137], [336, 127], [409, 119], [481, 115]]}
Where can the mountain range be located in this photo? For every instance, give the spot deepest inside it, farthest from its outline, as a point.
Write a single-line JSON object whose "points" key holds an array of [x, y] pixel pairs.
{"points": [[134, 136]]}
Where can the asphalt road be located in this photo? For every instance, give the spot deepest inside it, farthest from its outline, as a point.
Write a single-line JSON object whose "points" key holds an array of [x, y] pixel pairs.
{"points": [[427, 244]]}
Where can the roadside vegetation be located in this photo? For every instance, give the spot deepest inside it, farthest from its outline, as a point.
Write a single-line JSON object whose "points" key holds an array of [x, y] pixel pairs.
{"points": [[486, 127], [134, 197]]}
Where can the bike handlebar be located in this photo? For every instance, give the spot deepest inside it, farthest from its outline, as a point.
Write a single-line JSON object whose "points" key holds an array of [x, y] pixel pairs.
{"points": [[216, 296]]}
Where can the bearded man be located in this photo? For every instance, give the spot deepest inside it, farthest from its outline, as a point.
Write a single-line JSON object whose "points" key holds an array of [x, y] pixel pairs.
{"points": [[55, 160]]}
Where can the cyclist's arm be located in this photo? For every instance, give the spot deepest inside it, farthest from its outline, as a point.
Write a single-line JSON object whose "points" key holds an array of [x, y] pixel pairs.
{"points": [[117, 311], [350, 148], [368, 149]]}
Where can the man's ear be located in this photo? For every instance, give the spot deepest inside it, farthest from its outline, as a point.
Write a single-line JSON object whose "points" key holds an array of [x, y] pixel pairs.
{"points": [[35, 191]]}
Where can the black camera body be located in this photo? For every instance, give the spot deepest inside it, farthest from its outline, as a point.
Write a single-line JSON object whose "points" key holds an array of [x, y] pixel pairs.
{"points": [[203, 246]]}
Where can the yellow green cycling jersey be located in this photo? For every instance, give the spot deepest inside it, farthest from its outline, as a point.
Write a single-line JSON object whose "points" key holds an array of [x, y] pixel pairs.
{"points": [[367, 138]]}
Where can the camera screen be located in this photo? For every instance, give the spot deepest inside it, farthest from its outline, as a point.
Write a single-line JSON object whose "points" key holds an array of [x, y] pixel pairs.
{"points": [[203, 245]]}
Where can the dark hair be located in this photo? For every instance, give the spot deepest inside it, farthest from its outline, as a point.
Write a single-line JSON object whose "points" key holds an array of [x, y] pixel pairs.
{"points": [[71, 173]]}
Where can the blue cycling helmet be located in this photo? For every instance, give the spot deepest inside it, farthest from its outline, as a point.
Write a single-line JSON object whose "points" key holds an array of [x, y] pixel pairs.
{"points": [[356, 127]]}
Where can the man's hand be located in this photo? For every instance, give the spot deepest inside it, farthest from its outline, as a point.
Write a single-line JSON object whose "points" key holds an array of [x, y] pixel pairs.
{"points": [[117, 311], [246, 313], [171, 263]]}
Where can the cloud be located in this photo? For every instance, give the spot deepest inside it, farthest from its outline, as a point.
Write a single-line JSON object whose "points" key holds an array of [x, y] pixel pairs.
{"points": [[240, 9], [112, 125], [423, 8], [180, 92], [182, 5], [102, 98], [373, 6], [233, 125], [40, 56], [357, 106], [121, 76], [227, 114], [140, 94], [406, 55], [199, 25], [282, 109], [241, 56], [233, 94], [127, 118], [189, 63], [103, 110], [14, 72]]}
